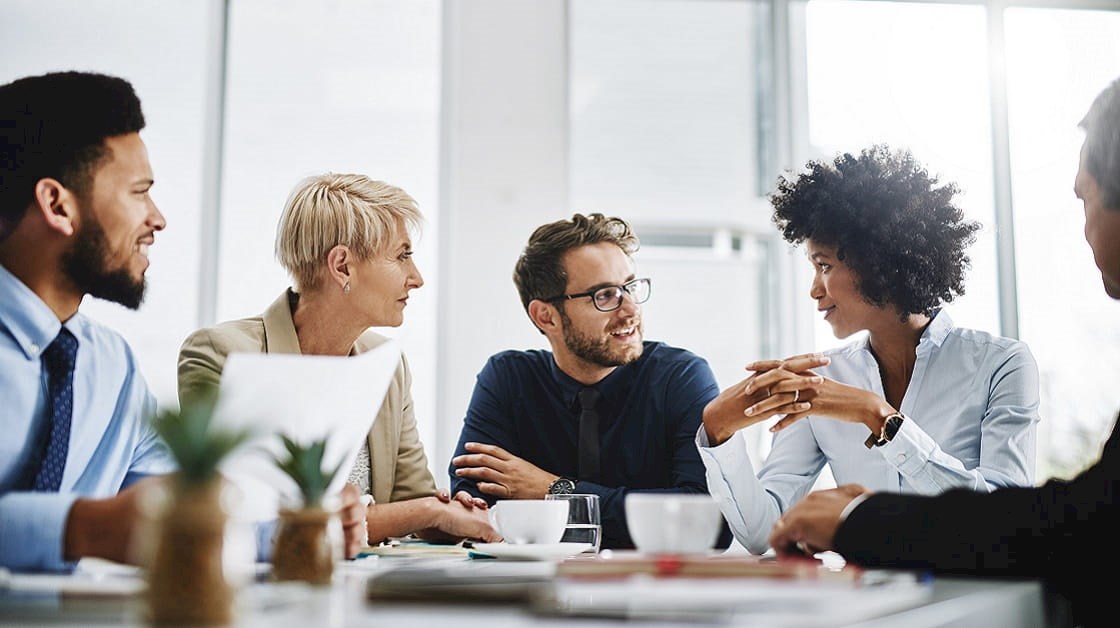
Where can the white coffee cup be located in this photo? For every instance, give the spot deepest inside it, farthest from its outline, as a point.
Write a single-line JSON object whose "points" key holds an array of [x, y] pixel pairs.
{"points": [[529, 520], [672, 523]]}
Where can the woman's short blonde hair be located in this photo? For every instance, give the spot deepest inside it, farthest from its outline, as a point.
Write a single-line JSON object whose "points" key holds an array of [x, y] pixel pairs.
{"points": [[330, 209]]}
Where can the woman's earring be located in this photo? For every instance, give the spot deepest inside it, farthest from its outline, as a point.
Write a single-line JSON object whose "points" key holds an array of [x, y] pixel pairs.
{"points": [[346, 288]]}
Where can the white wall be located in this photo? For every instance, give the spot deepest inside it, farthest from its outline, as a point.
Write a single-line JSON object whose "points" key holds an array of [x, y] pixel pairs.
{"points": [[504, 173]]}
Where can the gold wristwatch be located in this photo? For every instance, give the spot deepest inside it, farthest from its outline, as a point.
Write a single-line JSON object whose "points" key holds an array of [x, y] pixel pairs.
{"points": [[890, 427]]}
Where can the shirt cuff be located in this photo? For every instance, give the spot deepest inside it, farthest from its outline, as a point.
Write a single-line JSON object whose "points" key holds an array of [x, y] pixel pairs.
{"points": [[702, 437], [852, 505], [729, 452], [909, 450], [33, 529]]}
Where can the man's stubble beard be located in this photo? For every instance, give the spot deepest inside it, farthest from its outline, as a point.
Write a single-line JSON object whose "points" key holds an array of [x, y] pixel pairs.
{"points": [[596, 352], [85, 264]]}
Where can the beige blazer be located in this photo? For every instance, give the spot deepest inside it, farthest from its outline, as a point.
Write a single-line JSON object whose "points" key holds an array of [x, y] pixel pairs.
{"points": [[397, 461]]}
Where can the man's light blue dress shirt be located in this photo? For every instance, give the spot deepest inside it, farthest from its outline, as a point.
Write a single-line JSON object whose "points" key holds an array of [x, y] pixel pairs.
{"points": [[971, 410], [111, 441]]}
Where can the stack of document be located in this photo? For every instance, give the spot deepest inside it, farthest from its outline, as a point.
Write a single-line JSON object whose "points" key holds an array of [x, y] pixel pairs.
{"points": [[625, 564]]}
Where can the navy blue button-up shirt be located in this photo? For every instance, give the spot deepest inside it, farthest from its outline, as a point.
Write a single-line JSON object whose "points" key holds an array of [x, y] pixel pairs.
{"points": [[649, 413]]}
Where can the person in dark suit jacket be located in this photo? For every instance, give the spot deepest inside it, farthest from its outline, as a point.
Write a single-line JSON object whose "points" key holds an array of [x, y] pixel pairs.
{"points": [[1054, 532]]}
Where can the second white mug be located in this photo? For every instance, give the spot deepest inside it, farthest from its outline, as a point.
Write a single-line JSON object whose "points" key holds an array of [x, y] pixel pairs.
{"points": [[529, 520], [672, 523]]}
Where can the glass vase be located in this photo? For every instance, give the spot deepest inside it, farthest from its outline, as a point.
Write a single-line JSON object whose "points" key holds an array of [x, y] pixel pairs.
{"points": [[187, 581], [307, 544]]}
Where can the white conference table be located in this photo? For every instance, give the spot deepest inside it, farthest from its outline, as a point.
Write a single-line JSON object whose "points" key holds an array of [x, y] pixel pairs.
{"points": [[906, 603]]}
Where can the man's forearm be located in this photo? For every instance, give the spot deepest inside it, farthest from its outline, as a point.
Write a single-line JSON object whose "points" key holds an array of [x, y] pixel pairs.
{"points": [[100, 528]]}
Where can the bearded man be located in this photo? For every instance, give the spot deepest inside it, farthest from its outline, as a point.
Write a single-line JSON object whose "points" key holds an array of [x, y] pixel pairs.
{"points": [[604, 412], [76, 218]]}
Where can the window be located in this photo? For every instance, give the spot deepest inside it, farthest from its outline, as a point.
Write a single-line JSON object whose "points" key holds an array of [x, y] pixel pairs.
{"points": [[664, 128], [348, 87], [1057, 62], [932, 100]]}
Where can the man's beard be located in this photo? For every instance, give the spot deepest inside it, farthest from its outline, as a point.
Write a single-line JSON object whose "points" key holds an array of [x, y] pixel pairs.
{"points": [[85, 265], [595, 351]]}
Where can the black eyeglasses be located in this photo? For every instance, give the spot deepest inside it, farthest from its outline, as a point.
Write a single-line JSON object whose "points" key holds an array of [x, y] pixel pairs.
{"points": [[609, 298]]}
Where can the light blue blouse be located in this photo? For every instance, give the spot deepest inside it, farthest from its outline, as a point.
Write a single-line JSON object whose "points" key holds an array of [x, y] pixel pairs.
{"points": [[971, 412]]}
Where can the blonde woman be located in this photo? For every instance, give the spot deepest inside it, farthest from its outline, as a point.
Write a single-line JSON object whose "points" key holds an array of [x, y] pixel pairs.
{"points": [[346, 242]]}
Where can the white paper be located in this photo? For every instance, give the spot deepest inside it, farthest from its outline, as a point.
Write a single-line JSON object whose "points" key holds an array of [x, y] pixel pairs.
{"points": [[306, 398], [92, 577]]}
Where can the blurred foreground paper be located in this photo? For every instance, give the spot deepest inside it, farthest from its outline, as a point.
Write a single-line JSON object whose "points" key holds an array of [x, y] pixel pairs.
{"points": [[306, 397]]}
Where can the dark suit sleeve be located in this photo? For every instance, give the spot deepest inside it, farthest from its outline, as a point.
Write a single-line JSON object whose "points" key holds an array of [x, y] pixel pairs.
{"points": [[488, 421], [1048, 532]]}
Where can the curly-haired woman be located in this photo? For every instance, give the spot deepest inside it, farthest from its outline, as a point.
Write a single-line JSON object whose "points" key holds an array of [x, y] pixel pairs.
{"points": [[918, 405]]}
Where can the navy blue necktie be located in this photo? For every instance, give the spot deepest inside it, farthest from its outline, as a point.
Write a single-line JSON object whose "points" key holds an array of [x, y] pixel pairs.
{"points": [[589, 435], [58, 362]]}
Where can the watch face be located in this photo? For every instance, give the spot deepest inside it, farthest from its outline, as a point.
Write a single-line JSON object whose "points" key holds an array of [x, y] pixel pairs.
{"points": [[562, 486]]}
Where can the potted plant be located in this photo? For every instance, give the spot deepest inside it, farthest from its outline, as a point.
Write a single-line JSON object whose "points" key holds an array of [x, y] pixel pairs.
{"points": [[186, 580], [309, 536]]}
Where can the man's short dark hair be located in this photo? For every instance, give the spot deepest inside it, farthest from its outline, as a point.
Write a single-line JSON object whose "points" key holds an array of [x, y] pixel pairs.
{"points": [[55, 125], [1102, 143], [540, 273], [890, 221]]}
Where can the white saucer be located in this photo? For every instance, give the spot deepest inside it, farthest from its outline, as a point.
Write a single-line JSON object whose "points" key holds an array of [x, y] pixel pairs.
{"points": [[530, 551]]}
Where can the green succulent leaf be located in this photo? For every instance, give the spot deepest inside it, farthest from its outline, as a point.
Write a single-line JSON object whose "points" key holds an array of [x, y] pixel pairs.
{"points": [[304, 464], [197, 449]]}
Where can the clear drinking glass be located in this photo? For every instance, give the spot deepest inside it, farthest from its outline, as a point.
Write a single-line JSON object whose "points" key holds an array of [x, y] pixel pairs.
{"points": [[584, 523]]}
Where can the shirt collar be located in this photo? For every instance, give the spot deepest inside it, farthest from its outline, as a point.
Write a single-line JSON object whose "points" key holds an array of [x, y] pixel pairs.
{"points": [[610, 387], [569, 388], [936, 332], [29, 320], [279, 329], [938, 329]]}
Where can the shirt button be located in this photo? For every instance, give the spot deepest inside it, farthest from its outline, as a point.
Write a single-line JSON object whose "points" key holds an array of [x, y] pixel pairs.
{"points": [[900, 458], [34, 348]]}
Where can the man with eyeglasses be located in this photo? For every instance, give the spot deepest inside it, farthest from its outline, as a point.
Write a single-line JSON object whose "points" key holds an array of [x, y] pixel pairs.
{"points": [[604, 412]]}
